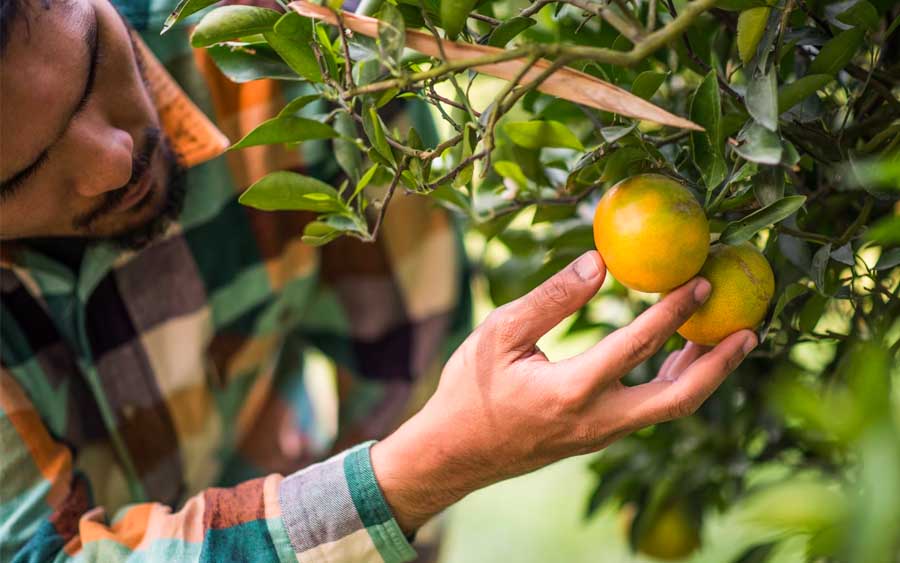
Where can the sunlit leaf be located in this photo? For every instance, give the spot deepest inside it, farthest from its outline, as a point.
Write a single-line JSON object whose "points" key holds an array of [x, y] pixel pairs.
{"points": [[292, 191], [539, 134], [287, 129], [291, 38], [750, 29], [454, 14], [230, 22]]}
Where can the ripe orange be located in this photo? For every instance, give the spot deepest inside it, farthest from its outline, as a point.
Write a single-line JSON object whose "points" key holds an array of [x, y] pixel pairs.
{"points": [[651, 232], [742, 285]]}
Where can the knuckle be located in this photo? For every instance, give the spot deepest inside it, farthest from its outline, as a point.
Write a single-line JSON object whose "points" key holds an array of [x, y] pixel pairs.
{"points": [[681, 405], [504, 327], [570, 399], [554, 293], [639, 345], [681, 310]]}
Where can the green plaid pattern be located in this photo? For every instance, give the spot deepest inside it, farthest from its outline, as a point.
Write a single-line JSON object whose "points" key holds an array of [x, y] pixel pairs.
{"points": [[151, 402]]}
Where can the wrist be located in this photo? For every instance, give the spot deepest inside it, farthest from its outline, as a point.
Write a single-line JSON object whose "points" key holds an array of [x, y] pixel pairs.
{"points": [[418, 475]]}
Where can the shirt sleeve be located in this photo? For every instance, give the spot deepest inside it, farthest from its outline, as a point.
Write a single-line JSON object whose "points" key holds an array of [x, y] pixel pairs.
{"points": [[332, 511]]}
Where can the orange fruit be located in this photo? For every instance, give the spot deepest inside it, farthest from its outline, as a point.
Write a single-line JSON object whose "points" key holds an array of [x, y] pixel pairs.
{"points": [[651, 233], [742, 286], [671, 536]]}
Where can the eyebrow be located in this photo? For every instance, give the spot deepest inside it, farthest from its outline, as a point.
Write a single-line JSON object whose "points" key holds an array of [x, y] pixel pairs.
{"points": [[91, 39]]}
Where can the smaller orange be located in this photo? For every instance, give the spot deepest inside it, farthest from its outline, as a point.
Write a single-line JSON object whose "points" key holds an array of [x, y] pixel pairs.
{"points": [[651, 232], [742, 286]]}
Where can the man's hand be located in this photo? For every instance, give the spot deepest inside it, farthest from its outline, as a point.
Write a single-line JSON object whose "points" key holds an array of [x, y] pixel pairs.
{"points": [[502, 409]]}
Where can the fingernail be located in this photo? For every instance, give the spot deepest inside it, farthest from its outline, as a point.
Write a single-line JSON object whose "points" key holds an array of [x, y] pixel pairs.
{"points": [[749, 344], [586, 267], [701, 290]]}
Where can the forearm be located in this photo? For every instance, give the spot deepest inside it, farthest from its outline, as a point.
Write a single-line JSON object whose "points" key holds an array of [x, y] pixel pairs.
{"points": [[420, 472]]}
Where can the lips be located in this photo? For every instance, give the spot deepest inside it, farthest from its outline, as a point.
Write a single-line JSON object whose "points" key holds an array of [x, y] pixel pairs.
{"points": [[135, 193]]}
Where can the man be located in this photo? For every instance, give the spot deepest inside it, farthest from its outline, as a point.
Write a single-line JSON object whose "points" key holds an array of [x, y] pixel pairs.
{"points": [[154, 332]]}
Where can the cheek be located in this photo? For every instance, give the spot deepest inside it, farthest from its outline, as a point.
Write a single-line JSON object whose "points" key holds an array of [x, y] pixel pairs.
{"points": [[40, 212]]}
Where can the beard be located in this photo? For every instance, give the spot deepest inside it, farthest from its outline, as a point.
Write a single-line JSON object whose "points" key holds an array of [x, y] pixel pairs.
{"points": [[137, 237], [169, 210]]}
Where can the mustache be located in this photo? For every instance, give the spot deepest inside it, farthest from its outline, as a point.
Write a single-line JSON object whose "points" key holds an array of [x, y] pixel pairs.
{"points": [[140, 165]]}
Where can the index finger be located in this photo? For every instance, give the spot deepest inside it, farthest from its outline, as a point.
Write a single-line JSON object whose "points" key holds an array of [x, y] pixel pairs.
{"points": [[620, 352]]}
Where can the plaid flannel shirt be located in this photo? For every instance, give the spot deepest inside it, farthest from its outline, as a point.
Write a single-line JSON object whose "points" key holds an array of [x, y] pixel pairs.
{"points": [[151, 402]]}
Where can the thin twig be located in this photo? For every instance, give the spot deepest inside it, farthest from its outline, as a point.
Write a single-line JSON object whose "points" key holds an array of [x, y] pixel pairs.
{"points": [[454, 172], [387, 199], [440, 44], [486, 19], [348, 75], [629, 27], [535, 8]]}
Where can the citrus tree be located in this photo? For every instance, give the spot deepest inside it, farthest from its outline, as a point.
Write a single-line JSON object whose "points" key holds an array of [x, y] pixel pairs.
{"points": [[781, 118]]}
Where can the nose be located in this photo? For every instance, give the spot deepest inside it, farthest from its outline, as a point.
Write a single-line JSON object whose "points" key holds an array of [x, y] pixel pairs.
{"points": [[110, 164]]}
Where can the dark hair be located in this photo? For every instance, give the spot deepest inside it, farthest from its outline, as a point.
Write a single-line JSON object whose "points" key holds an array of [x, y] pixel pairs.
{"points": [[9, 9]]}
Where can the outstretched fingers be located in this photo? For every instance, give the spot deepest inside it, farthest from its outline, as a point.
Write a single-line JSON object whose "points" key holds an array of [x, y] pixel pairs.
{"points": [[667, 399], [624, 349]]}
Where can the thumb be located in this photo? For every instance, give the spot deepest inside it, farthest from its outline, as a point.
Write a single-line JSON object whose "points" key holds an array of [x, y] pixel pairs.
{"points": [[535, 313]]}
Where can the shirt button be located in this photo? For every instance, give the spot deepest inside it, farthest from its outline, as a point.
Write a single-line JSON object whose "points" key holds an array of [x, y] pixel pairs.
{"points": [[129, 411]]}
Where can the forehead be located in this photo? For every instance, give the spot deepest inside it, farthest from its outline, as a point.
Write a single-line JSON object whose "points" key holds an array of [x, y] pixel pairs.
{"points": [[42, 75]]}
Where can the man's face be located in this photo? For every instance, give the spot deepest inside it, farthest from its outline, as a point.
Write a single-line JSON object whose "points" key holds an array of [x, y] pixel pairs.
{"points": [[81, 153]]}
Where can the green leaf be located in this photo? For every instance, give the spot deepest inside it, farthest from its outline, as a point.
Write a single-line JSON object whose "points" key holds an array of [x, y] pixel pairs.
{"points": [[374, 129], [288, 129], [861, 14], [511, 170], [616, 132], [292, 191], [327, 228], [508, 30], [885, 231], [790, 293], [893, 27], [183, 10], [837, 52], [797, 91], [451, 198], [346, 152], [768, 185], [297, 104], [647, 83], [454, 14], [739, 231], [230, 22], [762, 100], [888, 259], [819, 265], [758, 144], [844, 255], [739, 5], [291, 38], [391, 36], [706, 146], [252, 62], [364, 181], [538, 134], [750, 29]]}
